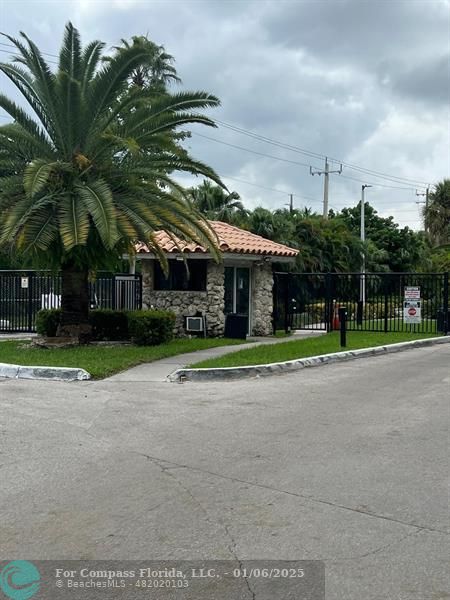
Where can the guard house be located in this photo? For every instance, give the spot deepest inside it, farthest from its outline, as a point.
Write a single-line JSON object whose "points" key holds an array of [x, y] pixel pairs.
{"points": [[242, 283]]}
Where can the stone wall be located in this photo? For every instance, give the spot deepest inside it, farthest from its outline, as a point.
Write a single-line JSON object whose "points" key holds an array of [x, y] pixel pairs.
{"points": [[209, 303], [262, 299]]}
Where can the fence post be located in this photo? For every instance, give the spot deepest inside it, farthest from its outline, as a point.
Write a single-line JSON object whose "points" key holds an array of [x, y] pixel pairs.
{"points": [[343, 326], [386, 308], [139, 299], [328, 303], [113, 291], [30, 300], [446, 307], [286, 303]]}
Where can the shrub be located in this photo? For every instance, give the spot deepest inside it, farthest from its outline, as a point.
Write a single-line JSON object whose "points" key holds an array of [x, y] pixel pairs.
{"points": [[47, 321], [150, 327], [109, 324]]}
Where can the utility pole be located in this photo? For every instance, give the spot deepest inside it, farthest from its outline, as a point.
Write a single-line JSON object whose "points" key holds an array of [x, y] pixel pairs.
{"points": [[426, 194], [291, 203], [326, 172], [362, 288]]}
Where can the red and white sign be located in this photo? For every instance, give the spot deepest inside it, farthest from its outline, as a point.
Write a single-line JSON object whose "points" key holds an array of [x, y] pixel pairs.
{"points": [[412, 312], [412, 293]]}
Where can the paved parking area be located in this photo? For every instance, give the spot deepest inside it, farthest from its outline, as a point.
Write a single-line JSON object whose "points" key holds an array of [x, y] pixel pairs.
{"points": [[346, 463]]}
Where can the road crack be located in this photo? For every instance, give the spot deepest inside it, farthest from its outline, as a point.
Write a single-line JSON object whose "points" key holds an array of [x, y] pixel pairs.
{"points": [[232, 545], [297, 495]]}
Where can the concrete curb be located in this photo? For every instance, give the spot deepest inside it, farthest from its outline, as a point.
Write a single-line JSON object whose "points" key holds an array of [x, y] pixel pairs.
{"points": [[229, 373], [46, 373]]}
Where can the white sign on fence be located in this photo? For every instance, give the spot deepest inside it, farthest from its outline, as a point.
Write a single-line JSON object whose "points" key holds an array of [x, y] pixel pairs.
{"points": [[412, 293], [412, 311], [24, 282]]}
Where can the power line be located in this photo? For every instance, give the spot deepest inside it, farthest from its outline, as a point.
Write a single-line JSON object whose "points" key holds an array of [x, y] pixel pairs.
{"points": [[316, 154], [52, 62], [294, 162], [374, 184], [269, 140], [286, 160], [12, 46], [263, 187]]}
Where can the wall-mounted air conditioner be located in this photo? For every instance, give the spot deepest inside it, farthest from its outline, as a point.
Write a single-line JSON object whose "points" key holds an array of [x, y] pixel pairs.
{"points": [[195, 324]]}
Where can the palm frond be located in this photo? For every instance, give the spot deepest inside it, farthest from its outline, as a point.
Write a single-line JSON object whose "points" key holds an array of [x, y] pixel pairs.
{"points": [[20, 144], [45, 84], [73, 219], [98, 200], [90, 60], [70, 53], [110, 82], [39, 232], [172, 104], [21, 117], [24, 83], [36, 175]]}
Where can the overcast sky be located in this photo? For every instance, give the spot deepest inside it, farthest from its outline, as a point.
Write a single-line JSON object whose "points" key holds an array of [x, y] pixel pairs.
{"points": [[362, 82]]}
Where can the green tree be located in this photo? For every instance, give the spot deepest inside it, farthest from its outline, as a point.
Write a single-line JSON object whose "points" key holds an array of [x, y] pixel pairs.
{"points": [[216, 203], [156, 72], [437, 215], [262, 222], [403, 249], [326, 246], [85, 177]]}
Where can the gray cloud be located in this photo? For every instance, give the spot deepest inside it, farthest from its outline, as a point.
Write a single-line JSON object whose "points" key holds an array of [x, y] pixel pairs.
{"points": [[363, 81], [427, 82]]}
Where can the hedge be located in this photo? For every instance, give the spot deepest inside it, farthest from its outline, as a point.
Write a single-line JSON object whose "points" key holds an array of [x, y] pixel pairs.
{"points": [[144, 327], [47, 321], [150, 327]]}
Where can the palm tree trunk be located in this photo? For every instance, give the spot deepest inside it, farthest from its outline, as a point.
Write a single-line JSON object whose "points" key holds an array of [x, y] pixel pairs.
{"points": [[74, 303]]}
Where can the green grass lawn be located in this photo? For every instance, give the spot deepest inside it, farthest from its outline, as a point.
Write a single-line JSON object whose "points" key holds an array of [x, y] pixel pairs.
{"points": [[307, 347], [102, 361]]}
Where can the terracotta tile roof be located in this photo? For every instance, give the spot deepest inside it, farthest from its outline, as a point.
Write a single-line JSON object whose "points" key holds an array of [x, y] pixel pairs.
{"points": [[231, 239]]}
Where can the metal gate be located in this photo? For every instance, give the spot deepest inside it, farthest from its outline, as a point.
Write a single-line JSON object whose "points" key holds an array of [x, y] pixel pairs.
{"points": [[24, 293], [374, 301]]}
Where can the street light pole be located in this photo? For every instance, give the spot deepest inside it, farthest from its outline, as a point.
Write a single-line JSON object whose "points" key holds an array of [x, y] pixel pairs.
{"points": [[362, 288]]}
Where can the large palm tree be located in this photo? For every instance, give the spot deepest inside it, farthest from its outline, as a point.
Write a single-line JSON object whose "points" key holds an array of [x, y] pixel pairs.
{"points": [[85, 167]]}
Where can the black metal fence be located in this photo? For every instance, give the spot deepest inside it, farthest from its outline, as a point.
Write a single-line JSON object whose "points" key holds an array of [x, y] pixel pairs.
{"points": [[24, 293], [374, 301]]}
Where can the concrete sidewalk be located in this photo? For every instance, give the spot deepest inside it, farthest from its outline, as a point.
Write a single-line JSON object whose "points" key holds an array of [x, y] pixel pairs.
{"points": [[6, 337], [160, 370]]}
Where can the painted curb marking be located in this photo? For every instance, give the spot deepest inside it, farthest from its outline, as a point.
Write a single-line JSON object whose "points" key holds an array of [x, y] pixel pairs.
{"points": [[46, 373], [230, 373]]}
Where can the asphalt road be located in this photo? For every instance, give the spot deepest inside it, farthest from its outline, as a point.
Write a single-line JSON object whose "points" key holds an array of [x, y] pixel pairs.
{"points": [[344, 463]]}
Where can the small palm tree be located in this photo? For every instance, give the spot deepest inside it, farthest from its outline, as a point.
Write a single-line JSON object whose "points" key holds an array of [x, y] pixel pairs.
{"points": [[437, 214], [215, 203], [85, 169], [157, 71]]}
